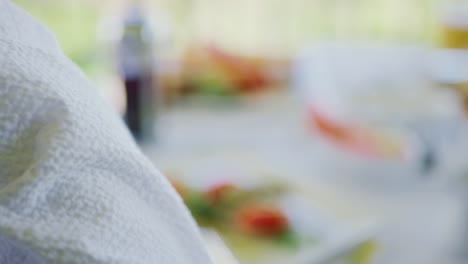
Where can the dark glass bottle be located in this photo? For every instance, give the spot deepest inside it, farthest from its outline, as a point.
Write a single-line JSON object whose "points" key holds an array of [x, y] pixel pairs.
{"points": [[136, 70]]}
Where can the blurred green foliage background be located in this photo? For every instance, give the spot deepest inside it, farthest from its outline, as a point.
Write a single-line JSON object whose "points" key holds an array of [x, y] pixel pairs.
{"points": [[271, 26]]}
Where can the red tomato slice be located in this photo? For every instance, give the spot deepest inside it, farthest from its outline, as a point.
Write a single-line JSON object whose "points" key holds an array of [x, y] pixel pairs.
{"points": [[262, 220]]}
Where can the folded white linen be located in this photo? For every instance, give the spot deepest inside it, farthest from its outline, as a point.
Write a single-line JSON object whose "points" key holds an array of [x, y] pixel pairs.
{"points": [[74, 187]]}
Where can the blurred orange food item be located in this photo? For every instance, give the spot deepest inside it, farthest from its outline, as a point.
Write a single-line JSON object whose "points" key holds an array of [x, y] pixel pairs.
{"points": [[209, 68], [218, 193], [248, 74], [262, 220], [337, 132], [359, 139], [180, 187]]}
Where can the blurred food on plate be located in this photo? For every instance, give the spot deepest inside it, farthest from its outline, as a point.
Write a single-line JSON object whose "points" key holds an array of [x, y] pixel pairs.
{"points": [[250, 211], [265, 218], [208, 70]]}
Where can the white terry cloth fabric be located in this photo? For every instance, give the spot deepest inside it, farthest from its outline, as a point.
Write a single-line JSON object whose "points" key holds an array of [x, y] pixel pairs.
{"points": [[13, 252], [74, 188]]}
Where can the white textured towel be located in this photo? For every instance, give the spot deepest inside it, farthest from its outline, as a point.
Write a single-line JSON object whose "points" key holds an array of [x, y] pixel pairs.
{"points": [[74, 188]]}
